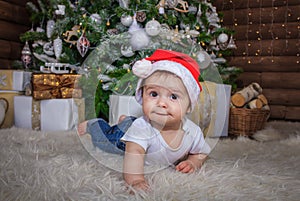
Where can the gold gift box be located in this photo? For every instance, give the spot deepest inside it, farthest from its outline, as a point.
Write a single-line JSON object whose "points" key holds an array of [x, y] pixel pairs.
{"points": [[49, 86]]}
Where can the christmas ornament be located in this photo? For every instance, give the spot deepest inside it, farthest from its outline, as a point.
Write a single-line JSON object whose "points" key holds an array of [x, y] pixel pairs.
{"points": [[140, 16], [57, 45], [231, 43], [104, 78], [48, 48], [95, 18], [139, 39], [172, 3], [126, 50], [134, 26], [192, 9], [203, 59], [71, 36], [61, 10], [26, 56], [152, 28], [126, 20], [50, 28], [222, 38], [113, 31], [83, 44], [124, 3]]}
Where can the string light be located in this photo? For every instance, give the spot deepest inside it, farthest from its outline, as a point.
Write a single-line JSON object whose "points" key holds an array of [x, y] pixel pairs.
{"points": [[247, 33], [271, 49], [259, 38]]}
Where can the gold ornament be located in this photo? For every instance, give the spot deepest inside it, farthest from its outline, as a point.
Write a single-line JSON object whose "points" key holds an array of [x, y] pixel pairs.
{"points": [[69, 34]]}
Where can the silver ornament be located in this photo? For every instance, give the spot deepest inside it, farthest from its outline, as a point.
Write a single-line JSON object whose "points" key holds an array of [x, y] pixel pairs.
{"points": [[50, 28], [61, 10], [57, 45], [153, 28], [48, 48], [222, 38], [126, 50], [203, 59], [231, 43], [95, 18], [126, 20]]}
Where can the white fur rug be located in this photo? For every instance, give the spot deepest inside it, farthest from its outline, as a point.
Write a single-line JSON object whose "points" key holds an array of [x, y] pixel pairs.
{"points": [[61, 166]]}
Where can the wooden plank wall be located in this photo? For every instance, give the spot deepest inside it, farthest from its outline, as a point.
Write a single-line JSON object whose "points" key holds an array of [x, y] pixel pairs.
{"points": [[267, 37], [14, 20], [268, 47]]}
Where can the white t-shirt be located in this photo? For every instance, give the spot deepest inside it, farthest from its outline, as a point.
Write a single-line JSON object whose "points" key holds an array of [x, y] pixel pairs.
{"points": [[157, 150]]}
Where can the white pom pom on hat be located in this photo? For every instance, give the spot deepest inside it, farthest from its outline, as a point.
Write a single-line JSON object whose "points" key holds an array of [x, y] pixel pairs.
{"points": [[178, 63]]}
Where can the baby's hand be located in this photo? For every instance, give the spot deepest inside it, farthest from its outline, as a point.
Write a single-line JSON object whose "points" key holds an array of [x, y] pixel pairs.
{"points": [[185, 167], [140, 185]]}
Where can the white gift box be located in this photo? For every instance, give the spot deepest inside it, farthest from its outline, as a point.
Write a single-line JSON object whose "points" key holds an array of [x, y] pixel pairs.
{"points": [[14, 80], [123, 105], [212, 111], [48, 115]]}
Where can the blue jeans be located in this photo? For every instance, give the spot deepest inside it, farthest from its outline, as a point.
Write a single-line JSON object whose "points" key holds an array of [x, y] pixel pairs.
{"points": [[106, 137]]}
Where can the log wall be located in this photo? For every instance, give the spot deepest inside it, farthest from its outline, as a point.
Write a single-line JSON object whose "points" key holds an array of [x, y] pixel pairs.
{"points": [[14, 20], [267, 35]]}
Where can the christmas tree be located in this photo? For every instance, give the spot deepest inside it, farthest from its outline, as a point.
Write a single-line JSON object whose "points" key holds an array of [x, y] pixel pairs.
{"points": [[102, 39]]}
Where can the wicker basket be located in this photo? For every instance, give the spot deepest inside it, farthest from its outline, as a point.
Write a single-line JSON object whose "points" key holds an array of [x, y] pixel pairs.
{"points": [[244, 121]]}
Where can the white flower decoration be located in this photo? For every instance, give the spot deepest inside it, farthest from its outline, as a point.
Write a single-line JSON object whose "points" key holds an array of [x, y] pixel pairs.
{"points": [[142, 68]]}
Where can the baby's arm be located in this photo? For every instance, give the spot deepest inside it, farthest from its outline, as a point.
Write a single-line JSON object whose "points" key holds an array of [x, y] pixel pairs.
{"points": [[133, 167], [192, 163]]}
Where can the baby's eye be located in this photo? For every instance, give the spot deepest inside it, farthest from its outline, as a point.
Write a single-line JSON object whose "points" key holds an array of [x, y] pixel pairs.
{"points": [[153, 94], [174, 97]]}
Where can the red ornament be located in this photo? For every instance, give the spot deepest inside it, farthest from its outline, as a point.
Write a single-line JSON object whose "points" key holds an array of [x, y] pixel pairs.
{"points": [[83, 45]]}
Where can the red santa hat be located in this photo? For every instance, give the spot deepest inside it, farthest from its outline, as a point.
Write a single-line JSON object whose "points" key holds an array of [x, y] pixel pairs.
{"points": [[178, 63]]}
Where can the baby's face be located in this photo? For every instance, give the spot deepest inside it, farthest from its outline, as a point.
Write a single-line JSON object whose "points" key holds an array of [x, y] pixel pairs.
{"points": [[165, 101]]}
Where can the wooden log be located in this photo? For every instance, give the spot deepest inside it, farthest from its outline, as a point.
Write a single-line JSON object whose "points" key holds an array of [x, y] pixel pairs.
{"points": [[14, 13], [285, 80], [242, 97], [266, 63], [285, 112], [280, 80], [247, 78], [268, 15], [263, 99], [18, 2], [287, 97], [266, 31], [255, 103], [277, 111], [11, 31], [10, 50], [5, 63], [239, 4], [292, 113], [280, 47]]}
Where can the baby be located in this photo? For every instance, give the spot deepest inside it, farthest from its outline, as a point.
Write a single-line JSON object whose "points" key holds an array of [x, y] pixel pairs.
{"points": [[168, 89]]}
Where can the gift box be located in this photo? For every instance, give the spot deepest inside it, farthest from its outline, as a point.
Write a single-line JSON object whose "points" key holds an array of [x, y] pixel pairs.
{"points": [[48, 115], [15, 80], [55, 86], [8, 96], [212, 110], [123, 105]]}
